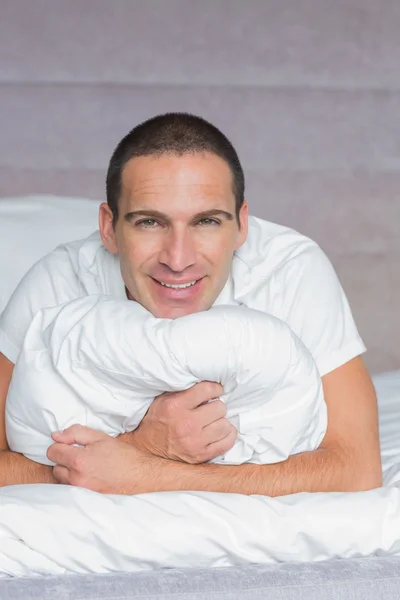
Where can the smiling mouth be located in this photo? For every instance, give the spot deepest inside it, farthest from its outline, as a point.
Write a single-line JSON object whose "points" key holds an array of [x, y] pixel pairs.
{"points": [[178, 286]]}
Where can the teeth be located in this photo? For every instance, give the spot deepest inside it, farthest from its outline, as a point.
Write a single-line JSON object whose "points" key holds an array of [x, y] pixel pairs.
{"points": [[178, 286]]}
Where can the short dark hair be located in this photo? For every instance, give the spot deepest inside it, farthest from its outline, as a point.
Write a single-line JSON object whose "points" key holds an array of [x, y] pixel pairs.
{"points": [[172, 133]]}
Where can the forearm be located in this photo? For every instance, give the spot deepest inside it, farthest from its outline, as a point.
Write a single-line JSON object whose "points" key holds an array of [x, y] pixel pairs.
{"points": [[319, 471], [17, 469]]}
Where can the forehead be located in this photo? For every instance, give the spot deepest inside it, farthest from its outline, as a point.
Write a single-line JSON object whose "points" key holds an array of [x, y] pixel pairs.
{"points": [[200, 174]]}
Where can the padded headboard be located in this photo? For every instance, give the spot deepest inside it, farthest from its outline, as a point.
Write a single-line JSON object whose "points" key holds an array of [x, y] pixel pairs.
{"points": [[309, 92]]}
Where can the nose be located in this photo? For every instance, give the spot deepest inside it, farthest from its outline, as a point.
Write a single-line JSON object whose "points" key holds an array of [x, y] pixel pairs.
{"points": [[178, 251]]}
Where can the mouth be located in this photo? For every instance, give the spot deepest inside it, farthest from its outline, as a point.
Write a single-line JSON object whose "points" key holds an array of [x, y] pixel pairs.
{"points": [[182, 290], [178, 286]]}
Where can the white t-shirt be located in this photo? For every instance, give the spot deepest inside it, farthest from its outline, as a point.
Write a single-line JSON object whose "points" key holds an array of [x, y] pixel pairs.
{"points": [[277, 270]]}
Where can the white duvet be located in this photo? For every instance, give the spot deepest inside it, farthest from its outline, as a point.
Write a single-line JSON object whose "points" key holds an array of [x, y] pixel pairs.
{"points": [[47, 529], [100, 362]]}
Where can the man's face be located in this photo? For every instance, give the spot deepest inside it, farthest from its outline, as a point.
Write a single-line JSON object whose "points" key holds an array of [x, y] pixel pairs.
{"points": [[176, 227]]}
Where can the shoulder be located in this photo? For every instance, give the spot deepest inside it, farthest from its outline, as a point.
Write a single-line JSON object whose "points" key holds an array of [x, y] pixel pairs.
{"points": [[75, 269], [288, 275], [69, 272], [274, 251], [75, 254]]}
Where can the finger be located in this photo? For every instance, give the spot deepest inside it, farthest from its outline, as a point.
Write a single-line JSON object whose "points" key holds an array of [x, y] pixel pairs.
{"points": [[202, 392], [210, 412], [62, 474], [78, 434], [216, 431], [64, 454], [222, 446]]}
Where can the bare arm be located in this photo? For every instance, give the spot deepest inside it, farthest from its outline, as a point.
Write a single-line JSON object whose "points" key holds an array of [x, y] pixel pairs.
{"points": [[15, 468], [348, 459]]}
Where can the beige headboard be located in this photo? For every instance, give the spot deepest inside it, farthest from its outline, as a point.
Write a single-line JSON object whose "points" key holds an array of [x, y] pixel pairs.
{"points": [[308, 91]]}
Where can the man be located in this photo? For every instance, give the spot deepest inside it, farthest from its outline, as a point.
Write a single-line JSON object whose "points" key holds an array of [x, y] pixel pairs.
{"points": [[174, 224]]}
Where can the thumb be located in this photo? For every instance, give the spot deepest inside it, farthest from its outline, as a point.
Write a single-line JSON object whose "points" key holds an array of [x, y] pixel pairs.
{"points": [[78, 434]]}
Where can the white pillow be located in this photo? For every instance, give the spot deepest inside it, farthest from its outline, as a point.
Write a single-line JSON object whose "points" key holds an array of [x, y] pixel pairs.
{"points": [[100, 361], [32, 226]]}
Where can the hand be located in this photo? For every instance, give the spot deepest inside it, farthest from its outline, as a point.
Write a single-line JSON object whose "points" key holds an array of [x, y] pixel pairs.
{"points": [[184, 426], [104, 464], [47, 475]]}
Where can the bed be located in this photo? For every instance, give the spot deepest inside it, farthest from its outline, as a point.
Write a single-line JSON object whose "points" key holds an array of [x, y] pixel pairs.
{"points": [[364, 579], [357, 578], [313, 110], [22, 218]]}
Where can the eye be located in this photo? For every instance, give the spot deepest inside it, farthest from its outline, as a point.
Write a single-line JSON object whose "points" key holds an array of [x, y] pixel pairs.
{"points": [[146, 223], [209, 221]]}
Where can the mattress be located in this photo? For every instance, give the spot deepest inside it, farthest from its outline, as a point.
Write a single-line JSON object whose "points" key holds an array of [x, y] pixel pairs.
{"points": [[365, 578], [356, 579]]}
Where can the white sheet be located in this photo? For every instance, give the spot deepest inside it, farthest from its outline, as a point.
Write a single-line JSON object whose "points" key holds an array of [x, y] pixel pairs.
{"points": [[100, 362], [54, 529]]}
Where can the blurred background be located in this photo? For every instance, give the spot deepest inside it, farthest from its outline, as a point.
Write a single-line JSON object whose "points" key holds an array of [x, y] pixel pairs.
{"points": [[308, 91]]}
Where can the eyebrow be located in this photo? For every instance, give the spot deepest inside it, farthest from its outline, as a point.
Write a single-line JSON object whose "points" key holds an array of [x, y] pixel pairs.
{"points": [[159, 215]]}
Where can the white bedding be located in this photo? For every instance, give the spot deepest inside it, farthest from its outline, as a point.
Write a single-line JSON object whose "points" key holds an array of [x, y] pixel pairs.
{"points": [[100, 361], [56, 529], [48, 529], [32, 226]]}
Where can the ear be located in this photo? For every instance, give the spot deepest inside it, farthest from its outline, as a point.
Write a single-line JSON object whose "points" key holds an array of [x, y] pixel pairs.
{"points": [[244, 225], [107, 231]]}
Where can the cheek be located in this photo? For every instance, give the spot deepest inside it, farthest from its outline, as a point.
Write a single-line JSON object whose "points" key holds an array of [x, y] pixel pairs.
{"points": [[220, 251], [220, 262], [217, 243], [135, 253]]}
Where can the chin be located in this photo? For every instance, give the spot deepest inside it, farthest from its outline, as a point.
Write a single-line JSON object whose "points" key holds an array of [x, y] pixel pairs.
{"points": [[176, 312]]}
